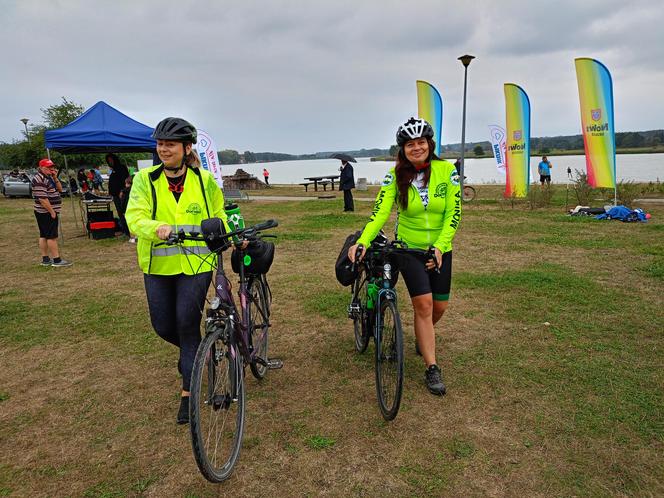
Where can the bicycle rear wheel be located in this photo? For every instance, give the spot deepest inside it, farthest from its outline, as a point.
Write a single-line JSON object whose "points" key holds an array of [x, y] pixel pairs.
{"points": [[259, 312], [389, 360], [360, 316], [468, 193], [216, 407]]}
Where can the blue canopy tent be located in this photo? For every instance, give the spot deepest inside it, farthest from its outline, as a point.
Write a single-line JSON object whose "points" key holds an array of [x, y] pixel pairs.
{"points": [[101, 128]]}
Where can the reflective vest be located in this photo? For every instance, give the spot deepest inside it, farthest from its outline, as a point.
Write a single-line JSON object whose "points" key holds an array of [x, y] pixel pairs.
{"points": [[151, 205], [420, 227]]}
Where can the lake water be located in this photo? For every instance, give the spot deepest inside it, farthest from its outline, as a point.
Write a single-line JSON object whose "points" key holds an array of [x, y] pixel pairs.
{"points": [[636, 167]]}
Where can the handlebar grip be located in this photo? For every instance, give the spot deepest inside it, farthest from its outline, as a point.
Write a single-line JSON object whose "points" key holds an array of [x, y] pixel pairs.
{"points": [[265, 225]]}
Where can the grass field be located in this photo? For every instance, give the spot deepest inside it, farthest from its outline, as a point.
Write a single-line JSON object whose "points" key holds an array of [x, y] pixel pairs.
{"points": [[88, 392]]}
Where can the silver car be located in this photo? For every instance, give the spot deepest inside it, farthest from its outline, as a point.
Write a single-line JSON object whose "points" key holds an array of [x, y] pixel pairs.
{"points": [[20, 186]]}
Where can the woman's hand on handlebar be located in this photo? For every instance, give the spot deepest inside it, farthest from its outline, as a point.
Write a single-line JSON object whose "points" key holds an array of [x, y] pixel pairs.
{"points": [[352, 252], [163, 231], [436, 261], [242, 244]]}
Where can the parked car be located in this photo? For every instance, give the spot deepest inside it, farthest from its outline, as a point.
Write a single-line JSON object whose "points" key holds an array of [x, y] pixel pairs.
{"points": [[20, 186]]}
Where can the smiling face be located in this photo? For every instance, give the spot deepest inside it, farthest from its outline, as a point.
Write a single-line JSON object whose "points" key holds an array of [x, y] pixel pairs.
{"points": [[417, 151], [171, 153]]}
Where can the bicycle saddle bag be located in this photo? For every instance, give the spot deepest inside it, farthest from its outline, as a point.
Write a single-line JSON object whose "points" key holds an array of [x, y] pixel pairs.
{"points": [[257, 259], [213, 229]]}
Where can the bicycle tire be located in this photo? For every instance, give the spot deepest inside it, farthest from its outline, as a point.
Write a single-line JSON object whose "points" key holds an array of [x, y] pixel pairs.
{"points": [[217, 400], [389, 360], [469, 193], [259, 325], [360, 323]]}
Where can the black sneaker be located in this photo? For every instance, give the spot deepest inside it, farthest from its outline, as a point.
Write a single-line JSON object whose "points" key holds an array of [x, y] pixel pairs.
{"points": [[62, 262], [183, 412], [434, 380], [46, 262]]}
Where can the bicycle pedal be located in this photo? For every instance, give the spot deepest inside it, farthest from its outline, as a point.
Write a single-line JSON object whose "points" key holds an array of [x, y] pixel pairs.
{"points": [[274, 363]]}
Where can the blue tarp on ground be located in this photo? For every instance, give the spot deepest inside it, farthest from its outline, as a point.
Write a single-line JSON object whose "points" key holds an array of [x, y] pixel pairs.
{"points": [[101, 129]]}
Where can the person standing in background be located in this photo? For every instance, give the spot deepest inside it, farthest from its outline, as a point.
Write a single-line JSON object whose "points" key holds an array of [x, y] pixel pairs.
{"points": [[544, 169], [116, 182], [346, 183], [266, 175], [46, 189]]}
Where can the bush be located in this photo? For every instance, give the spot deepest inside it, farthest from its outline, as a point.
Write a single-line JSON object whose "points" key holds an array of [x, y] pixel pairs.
{"points": [[584, 192], [539, 197], [627, 191]]}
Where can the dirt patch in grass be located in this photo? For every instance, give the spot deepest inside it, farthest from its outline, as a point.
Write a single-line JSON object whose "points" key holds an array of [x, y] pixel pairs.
{"points": [[88, 393]]}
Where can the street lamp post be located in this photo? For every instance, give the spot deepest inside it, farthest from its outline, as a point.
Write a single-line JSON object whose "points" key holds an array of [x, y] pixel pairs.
{"points": [[25, 123], [465, 60]]}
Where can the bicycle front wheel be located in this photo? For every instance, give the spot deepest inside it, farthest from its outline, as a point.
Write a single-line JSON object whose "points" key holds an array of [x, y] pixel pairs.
{"points": [[259, 311], [360, 314], [216, 407], [389, 360]]}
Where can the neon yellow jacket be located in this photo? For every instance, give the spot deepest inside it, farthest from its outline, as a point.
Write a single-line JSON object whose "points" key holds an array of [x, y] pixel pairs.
{"points": [[417, 226], [151, 205]]}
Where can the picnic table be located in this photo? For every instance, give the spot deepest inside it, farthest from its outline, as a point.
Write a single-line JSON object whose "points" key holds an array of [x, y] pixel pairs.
{"points": [[323, 180]]}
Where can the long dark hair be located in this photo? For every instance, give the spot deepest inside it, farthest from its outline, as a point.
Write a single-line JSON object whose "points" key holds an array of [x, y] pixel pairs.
{"points": [[406, 173], [118, 167]]}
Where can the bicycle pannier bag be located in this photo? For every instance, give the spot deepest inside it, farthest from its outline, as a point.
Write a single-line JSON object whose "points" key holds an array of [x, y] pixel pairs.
{"points": [[213, 229], [343, 267]]}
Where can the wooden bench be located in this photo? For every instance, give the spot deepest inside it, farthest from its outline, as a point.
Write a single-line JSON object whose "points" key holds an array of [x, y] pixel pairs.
{"points": [[306, 185], [234, 193], [324, 183]]}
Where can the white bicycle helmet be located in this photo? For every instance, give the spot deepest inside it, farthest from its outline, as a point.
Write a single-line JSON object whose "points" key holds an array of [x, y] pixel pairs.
{"points": [[412, 129]]}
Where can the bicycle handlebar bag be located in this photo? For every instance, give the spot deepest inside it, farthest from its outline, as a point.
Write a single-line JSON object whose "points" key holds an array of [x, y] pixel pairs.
{"points": [[257, 259], [213, 229]]}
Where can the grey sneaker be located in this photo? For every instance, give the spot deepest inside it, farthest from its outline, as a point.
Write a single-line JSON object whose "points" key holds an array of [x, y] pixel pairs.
{"points": [[62, 262], [434, 380]]}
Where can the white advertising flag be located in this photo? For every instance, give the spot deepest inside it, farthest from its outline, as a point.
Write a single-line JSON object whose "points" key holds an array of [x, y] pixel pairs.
{"points": [[207, 151], [498, 146]]}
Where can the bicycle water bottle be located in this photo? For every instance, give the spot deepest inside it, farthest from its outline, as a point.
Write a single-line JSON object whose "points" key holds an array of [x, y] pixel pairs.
{"points": [[235, 219], [372, 293]]}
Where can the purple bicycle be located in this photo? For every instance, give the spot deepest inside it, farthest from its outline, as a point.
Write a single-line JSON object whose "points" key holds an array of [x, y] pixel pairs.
{"points": [[234, 338]]}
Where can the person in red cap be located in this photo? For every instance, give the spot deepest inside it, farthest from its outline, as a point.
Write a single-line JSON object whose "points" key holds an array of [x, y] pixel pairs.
{"points": [[46, 190]]}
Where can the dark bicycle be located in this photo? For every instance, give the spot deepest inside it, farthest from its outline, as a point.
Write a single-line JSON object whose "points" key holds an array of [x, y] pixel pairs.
{"points": [[373, 309], [234, 338]]}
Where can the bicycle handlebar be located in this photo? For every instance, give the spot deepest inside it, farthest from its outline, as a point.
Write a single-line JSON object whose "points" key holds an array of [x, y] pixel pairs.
{"points": [[397, 247], [246, 233]]}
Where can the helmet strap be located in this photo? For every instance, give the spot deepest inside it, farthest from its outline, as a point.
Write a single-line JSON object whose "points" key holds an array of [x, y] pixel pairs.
{"points": [[182, 164]]}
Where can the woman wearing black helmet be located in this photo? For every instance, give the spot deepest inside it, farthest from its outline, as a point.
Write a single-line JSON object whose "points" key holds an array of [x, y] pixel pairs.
{"points": [[170, 196], [426, 192]]}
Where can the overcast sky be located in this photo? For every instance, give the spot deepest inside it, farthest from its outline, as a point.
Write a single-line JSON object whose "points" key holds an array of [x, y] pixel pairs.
{"points": [[307, 76]]}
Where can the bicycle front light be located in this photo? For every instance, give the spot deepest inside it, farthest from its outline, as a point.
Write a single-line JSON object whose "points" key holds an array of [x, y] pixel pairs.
{"points": [[387, 271], [215, 302]]}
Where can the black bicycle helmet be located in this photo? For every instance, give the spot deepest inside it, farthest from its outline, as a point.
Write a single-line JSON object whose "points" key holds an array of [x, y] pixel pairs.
{"points": [[176, 130], [412, 129]]}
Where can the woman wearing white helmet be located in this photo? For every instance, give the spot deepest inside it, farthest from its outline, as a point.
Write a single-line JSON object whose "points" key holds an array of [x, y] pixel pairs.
{"points": [[428, 198]]}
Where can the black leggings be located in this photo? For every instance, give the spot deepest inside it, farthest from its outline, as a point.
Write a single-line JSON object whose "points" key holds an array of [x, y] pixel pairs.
{"points": [[176, 305]]}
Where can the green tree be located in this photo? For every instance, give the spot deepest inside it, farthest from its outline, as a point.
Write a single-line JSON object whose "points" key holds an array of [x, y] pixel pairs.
{"points": [[478, 150], [57, 116], [229, 156], [394, 150], [249, 157]]}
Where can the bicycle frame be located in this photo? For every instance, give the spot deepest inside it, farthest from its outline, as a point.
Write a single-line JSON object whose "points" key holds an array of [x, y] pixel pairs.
{"points": [[239, 339]]}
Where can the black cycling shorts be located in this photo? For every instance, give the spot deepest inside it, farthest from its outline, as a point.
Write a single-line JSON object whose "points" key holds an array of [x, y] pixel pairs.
{"points": [[48, 227], [421, 281]]}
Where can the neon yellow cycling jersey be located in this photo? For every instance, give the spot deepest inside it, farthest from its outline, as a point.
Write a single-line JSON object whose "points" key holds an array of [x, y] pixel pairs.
{"points": [[418, 226]]}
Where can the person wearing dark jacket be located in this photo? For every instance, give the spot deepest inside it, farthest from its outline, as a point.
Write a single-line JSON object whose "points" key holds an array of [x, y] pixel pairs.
{"points": [[116, 182], [346, 183]]}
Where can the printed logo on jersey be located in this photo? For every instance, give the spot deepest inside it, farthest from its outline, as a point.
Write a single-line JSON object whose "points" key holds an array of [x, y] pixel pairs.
{"points": [[388, 180], [441, 190], [454, 178], [194, 208]]}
